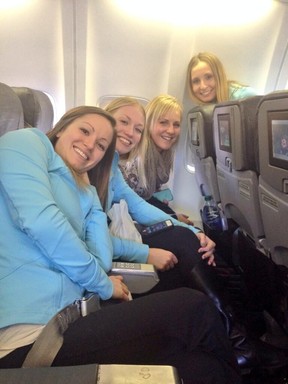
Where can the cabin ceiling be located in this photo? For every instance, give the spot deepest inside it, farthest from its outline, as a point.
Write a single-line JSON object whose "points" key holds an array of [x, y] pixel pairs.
{"points": [[81, 50]]}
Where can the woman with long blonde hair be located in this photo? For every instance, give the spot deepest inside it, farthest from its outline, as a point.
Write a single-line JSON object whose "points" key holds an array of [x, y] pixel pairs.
{"points": [[207, 81]]}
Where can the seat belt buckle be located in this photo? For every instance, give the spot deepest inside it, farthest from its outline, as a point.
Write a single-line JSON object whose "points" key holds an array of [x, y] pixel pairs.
{"points": [[89, 304]]}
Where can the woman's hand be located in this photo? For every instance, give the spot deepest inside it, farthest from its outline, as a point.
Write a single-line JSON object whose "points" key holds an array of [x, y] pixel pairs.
{"points": [[120, 290], [207, 248], [184, 218], [162, 260]]}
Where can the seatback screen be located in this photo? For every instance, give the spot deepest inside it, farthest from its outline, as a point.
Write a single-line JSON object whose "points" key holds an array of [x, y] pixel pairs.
{"points": [[224, 131], [278, 138]]}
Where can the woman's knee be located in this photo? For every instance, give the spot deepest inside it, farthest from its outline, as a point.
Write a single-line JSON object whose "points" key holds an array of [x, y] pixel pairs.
{"points": [[197, 305], [188, 298]]}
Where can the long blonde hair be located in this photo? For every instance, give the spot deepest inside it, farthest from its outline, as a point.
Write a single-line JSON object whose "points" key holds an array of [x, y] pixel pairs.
{"points": [[135, 153], [100, 174], [217, 68], [127, 101], [155, 109]]}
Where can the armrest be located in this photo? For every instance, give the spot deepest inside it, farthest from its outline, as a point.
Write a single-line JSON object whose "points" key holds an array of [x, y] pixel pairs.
{"points": [[92, 373], [139, 278]]}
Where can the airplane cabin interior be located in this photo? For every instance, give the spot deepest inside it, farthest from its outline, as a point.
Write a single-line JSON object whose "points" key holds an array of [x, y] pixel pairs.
{"points": [[59, 54]]}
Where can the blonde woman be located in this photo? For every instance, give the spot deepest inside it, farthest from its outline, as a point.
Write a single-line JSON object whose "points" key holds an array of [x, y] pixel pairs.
{"points": [[149, 162], [207, 81]]}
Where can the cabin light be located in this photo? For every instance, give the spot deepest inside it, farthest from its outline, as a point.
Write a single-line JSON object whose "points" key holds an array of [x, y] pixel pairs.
{"points": [[192, 13], [9, 4]]}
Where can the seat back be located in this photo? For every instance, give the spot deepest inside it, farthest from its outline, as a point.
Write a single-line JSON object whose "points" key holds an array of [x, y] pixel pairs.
{"points": [[201, 150], [37, 107], [235, 135], [273, 179], [11, 116]]}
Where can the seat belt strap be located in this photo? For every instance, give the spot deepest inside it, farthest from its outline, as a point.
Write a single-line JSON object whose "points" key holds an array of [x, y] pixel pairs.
{"points": [[50, 340]]}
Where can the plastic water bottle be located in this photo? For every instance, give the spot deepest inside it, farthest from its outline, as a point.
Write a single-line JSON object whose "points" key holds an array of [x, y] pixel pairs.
{"points": [[211, 214]]}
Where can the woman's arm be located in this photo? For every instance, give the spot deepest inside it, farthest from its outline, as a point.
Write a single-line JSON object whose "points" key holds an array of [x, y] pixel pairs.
{"points": [[35, 181], [141, 211], [128, 250]]}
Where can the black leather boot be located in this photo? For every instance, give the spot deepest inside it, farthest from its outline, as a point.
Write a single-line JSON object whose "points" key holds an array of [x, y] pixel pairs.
{"points": [[252, 353], [278, 310], [249, 353], [203, 278]]}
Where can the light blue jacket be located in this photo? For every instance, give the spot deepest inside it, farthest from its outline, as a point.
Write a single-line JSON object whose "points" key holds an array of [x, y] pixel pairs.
{"points": [[240, 92], [141, 211], [52, 234], [55, 244]]}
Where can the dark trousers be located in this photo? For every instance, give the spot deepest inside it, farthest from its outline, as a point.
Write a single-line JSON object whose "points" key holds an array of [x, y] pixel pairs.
{"points": [[184, 244], [263, 283], [180, 328]]}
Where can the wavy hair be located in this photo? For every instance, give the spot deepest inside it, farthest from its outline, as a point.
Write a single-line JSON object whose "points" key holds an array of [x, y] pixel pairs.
{"points": [[217, 68], [149, 157], [100, 174], [128, 101]]}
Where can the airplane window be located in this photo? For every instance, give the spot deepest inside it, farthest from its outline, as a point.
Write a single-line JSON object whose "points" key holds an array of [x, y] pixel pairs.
{"points": [[190, 168], [106, 99]]}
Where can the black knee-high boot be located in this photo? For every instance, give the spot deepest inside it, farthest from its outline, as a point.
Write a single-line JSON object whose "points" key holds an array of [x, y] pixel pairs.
{"points": [[204, 279], [250, 353]]}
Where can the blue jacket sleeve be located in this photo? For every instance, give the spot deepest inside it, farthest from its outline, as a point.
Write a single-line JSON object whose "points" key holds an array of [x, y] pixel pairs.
{"points": [[241, 92], [128, 250], [98, 237], [28, 167], [141, 211]]}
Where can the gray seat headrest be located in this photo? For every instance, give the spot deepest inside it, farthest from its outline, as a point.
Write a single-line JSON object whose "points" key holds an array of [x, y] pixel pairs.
{"points": [[11, 112], [37, 107]]}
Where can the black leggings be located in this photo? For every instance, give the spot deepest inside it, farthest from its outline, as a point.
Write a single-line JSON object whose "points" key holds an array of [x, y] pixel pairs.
{"points": [[184, 244], [180, 328]]}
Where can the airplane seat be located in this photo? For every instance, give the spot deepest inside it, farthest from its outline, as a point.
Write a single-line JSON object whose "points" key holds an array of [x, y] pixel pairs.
{"points": [[37, 107], [200, 153], [235, 135], [273, 179], [200, 148], [11, 116]]}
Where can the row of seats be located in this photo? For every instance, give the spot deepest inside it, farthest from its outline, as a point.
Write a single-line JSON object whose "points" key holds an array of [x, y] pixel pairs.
{"points": [[240, 153], [23, 107]]}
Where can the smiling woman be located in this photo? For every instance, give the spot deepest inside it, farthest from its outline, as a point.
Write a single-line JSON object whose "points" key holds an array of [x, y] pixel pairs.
{"points": [[84, 142], [154, 157], [146, 159], [207, 81], [130, 119], [83, 137]]}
